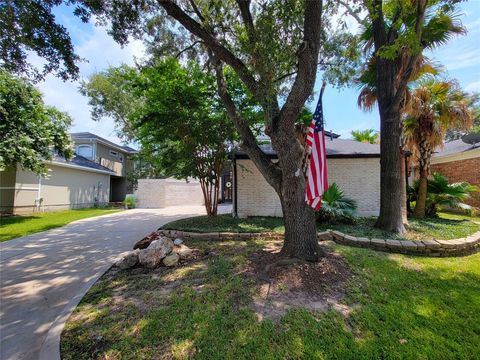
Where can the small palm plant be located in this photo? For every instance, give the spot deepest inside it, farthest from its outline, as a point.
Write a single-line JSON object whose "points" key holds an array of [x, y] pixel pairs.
{"points": [[336, 207], [368, 136], [442, 194]]}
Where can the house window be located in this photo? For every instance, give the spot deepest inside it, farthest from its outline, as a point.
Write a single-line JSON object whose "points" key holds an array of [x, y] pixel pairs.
{"points": [[113, 153], [85, 150], [120, 156]]}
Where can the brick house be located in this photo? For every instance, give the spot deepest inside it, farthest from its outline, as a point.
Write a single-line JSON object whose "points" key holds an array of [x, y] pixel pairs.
{"points": [[353, 165], [459, 161]]}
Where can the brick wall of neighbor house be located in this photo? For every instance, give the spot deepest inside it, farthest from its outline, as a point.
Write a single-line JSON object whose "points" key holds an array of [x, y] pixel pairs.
{"points": [[462, 170], [159, 193], [359, 178]]}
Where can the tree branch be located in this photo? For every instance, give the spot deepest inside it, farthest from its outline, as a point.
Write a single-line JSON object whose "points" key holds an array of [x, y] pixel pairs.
{"points": [[211, 42], [353, 13], [269, 170], [307, 66], [190, 47]]}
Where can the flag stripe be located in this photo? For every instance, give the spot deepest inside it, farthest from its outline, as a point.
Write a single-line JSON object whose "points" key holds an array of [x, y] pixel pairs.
{"points": [[317, 181]]}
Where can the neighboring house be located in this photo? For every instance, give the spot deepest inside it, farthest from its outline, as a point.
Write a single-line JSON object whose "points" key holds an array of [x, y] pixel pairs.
{"points": [[110, 155], [95, 175], [459, 161], [353, 165]]}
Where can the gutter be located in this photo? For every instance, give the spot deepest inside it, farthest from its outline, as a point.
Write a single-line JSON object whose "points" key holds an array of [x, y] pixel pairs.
{"points": [[78, 167]]}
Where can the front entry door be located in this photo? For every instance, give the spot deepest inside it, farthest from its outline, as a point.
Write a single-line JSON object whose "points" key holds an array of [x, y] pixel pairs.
{"points": [[227, 186]]}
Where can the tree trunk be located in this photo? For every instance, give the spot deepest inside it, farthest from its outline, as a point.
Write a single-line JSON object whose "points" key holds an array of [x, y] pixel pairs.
{"points": [[403, 174], [300, 230], [391, 184], [419, 210]]}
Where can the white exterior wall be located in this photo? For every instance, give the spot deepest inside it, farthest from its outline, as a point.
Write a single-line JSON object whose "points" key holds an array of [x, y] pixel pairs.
{"points": [[359, 178], [160, 193]]}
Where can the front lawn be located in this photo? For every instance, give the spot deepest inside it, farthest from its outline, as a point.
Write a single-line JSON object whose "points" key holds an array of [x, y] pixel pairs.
{"points": [[392, 307], [447, 226], [16, 226]]}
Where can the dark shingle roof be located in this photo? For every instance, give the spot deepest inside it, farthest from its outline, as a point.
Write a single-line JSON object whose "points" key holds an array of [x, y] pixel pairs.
{"points": [[455, 147], [335, 148], [89, 135], [81, 161]]}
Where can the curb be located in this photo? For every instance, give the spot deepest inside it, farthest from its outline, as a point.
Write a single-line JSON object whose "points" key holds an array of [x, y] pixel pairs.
{"points": [[430, 248], [50, 349]]}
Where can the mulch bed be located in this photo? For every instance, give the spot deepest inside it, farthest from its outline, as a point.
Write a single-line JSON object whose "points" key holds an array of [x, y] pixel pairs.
{"points": [[282, 285]]}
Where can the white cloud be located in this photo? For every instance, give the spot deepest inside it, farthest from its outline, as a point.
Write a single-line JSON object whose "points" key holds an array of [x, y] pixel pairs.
{"points": [[473, 86], [101, 51]]}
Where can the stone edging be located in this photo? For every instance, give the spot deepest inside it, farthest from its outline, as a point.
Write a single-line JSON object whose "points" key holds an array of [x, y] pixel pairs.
{"points": [[433, 248]]}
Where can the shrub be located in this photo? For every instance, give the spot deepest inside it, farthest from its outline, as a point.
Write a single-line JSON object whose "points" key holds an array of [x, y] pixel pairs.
{"points": [[336, 208], [442, 194], [130, 201]]}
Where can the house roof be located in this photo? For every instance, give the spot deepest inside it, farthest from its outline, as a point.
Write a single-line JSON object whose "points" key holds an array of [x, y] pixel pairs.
{"points": [[335, 147], [90, 136], [455, 147], [81, 162]]}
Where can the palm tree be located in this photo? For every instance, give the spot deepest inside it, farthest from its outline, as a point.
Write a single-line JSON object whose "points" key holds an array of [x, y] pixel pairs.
{"points": [[396, 33], [433, 108], [441, 193], [368, 136], [336, 207]]}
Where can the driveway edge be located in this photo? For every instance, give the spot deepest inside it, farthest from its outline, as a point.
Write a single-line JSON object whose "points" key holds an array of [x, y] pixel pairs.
{"points": [[50, 349]]}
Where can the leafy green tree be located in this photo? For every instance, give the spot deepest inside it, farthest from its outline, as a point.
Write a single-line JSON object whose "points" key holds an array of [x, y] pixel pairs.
{"points": [[396, 33], [30, 131], [176, 116], [275, 48], [433, 108], [29, 26], [368, 136]]}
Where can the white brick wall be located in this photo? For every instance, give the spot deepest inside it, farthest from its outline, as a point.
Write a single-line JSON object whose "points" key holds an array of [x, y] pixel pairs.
{"points": [[160, 193], [359, 178]]}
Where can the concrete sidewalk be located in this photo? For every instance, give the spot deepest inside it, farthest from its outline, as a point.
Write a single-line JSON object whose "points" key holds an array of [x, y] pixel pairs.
{"points": [[43, 276]]}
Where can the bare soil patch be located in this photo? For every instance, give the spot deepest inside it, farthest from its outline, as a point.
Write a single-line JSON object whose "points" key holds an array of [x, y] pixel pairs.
{"points": [[282, 285]]}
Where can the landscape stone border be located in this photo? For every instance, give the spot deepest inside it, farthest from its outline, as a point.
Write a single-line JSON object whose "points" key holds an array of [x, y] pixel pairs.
{"points": [[433, 247]]}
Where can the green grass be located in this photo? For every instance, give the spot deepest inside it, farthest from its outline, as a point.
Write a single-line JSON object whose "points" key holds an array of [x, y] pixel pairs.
{"points": [[447, 226], [403, 308], [16, 226]]}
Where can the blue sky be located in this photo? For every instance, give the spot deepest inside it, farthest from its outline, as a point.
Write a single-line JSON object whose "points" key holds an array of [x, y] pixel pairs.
{"points": [[460, 58]]}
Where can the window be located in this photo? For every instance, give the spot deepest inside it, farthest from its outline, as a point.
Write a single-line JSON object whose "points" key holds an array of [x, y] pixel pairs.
{"points": [[120, 156], [86, 151], [113, 153]]}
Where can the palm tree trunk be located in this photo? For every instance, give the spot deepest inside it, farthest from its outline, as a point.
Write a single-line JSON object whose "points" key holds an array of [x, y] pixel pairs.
{"points": [[419, 210]]}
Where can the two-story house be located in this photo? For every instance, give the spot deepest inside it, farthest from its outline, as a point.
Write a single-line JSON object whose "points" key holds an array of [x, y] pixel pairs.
{"points": [[96, 175]]}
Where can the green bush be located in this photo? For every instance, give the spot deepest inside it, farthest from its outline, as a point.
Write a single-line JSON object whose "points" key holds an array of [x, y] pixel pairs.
{"points": [[130, 201], [336, 208], [442, 194]]}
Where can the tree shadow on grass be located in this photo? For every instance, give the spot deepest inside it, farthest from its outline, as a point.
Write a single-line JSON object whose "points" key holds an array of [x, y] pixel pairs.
{"points": [[409, 308]]}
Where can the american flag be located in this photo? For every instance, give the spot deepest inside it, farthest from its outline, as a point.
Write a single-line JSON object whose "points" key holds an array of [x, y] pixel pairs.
{"points": [[317, 180]]}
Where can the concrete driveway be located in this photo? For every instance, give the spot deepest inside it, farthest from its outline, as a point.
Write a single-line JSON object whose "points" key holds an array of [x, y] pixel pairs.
{"points": [[43, 276]]}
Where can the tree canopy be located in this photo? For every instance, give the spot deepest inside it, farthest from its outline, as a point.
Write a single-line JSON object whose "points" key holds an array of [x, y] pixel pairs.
{"points": [[175, 114], [30, 131]]}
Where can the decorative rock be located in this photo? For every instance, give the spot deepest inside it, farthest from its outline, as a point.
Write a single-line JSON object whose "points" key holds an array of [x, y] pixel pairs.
{"points": [[337, 235], [378, 242], [324, 236], [183, 251], [171, 260], [152, 256], [393, 243], [177, 242], [128, 261]]}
